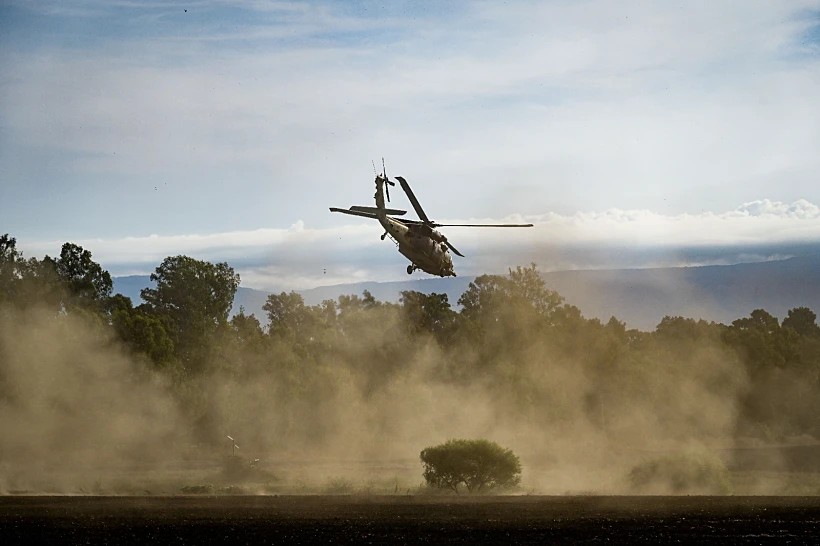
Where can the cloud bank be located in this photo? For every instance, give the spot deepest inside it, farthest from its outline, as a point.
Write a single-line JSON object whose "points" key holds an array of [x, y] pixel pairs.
{"points": [[303, 256]]}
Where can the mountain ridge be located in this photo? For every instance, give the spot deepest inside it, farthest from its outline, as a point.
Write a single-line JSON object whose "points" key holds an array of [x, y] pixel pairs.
{"points": [[639, 297]]}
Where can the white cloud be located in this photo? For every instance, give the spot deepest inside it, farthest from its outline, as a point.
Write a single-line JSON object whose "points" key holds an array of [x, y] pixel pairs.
{"points": [[302, 257], [799, 209]]}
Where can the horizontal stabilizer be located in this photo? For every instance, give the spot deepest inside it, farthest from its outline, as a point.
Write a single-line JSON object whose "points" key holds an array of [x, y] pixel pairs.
{"points": [[355, 213], [374, 210], [482, 225]]}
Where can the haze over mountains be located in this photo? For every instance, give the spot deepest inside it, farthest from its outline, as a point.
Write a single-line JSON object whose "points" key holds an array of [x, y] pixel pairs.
{"points": [[640, 297]]}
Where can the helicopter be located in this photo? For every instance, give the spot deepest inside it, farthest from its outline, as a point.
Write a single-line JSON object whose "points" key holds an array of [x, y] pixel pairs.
{"points": [[417, 240]]}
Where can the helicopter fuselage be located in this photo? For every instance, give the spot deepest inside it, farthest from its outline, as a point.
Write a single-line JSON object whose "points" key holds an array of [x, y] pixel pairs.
{"points": [[420, 247], [419, 243]]}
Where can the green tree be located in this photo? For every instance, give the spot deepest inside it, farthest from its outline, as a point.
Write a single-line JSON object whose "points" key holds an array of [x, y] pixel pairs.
{"points": [[194, 298], [143, 333], [494, 297], [352, 303], [73, 281], [87, 283], [803, 321], [247, 327], [287, 313], [772, 356], [118, 302], [429, 313], [25, 282], [758, 338], [683, 330], [11, 264], [479, 465], [10, 257], [759, 320]]}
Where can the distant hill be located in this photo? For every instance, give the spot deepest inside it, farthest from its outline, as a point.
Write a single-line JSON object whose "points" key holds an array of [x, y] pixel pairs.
{"points": [[640, 297]]}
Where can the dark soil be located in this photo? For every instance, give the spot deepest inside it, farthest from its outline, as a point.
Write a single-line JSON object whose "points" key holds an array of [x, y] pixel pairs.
{"points": [[408, 520]]}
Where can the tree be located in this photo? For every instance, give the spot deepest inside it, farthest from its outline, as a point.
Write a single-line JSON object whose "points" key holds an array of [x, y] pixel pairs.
{"points": [[760, 320], [195, 298], [350, 304], [480, 465], [428, 313], [247, 327], [88, 284], [772, 358], [143, 333], [9, 257], [683, 330], [495, 297], [803, 321], [11, 263], [756, 337], [287, 313], [25, 282]]}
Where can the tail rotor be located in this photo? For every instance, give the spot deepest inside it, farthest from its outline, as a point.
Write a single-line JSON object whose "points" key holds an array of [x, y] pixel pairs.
{"points": [[389, 183]]}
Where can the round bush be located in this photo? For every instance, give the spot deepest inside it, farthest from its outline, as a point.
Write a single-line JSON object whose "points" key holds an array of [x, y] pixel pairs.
{"points": [[478, 465]]}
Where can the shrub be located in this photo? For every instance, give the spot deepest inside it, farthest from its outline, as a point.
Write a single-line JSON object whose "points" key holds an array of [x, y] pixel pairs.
{"points": [[479, 465], [698, 474], [339, 486], [203, 489]]}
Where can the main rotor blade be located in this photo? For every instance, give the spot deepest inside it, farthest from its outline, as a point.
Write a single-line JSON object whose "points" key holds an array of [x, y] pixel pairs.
{"points": [[374, 210], [406, 187], [482, 225], [453, 248], [355, 213]]}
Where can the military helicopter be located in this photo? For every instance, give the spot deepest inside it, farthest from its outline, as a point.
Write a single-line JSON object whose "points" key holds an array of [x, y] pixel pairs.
{"points": [[417, 240]]}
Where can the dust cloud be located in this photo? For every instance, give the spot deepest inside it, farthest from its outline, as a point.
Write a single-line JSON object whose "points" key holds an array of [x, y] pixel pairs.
{"points": [[80, 414], [74, 402]]}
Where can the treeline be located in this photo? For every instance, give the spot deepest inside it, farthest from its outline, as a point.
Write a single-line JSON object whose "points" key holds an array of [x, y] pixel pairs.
{"points": [[527, 356]]}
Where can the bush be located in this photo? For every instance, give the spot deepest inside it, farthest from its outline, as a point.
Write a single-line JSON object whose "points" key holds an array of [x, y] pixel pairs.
{"points": [[339, 486], [480, 465], [698, 474], [203, 489]]}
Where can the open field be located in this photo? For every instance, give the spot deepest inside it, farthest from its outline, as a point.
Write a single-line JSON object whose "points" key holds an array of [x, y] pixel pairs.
{"points": [[291, 476], [408, 519]]}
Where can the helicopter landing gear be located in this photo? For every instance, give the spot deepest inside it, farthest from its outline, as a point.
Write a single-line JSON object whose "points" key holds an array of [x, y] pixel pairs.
{"points": [[384, 235], [410, 269]]}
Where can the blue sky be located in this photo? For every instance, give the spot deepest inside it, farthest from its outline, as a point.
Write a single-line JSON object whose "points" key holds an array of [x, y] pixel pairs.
{"points": [[141, 130]]}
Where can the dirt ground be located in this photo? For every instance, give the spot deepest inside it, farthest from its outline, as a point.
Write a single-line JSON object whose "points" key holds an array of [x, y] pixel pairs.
{"points": [[344, 519]]}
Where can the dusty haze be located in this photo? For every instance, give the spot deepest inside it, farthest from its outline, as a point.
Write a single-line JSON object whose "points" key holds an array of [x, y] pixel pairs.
{"points": [[75, 403]]}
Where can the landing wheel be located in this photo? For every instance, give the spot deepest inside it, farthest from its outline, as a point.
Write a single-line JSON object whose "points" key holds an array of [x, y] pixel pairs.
{"points": [[384, 235], [410, 269]]}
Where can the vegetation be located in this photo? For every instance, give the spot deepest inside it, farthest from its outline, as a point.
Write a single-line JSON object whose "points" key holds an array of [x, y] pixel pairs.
{"points": [[478, 465], [299, 376], [201, 489]]}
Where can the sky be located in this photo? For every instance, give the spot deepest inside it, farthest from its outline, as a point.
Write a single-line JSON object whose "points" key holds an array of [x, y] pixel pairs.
{"points": [[632, 134]]}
